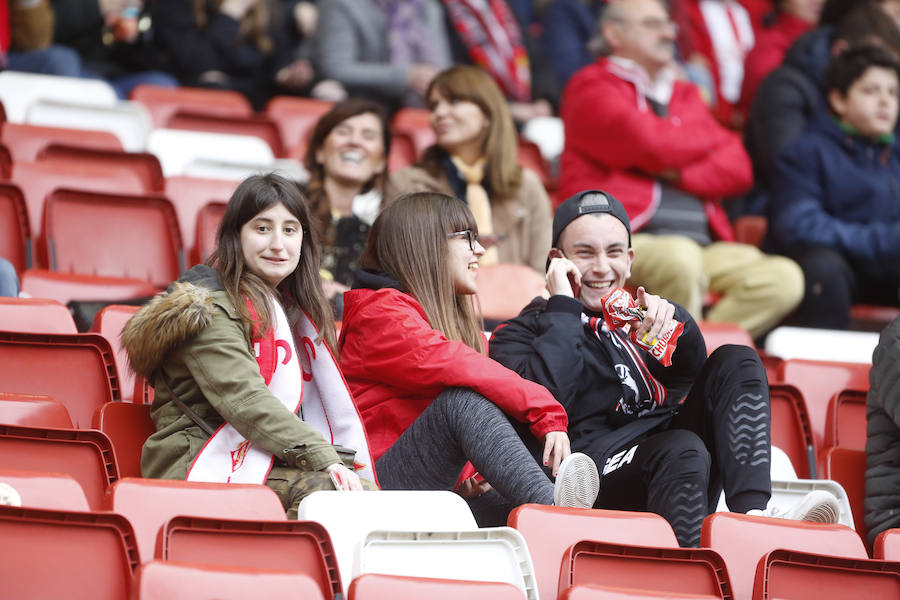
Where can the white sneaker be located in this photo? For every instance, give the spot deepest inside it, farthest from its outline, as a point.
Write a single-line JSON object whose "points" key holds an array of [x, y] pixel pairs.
{"points": [[818, 506], [577, 482]]}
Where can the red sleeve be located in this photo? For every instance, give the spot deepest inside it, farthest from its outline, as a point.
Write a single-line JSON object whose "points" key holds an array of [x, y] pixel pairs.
{"points": [[603, 122], [401, 347], [723, 173]]}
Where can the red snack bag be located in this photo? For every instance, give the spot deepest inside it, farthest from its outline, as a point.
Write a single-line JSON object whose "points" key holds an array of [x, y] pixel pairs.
{"points": [[619, 309]]}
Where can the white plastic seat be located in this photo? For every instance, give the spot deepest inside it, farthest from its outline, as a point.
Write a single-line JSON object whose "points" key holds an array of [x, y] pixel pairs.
{"points": [[210, 169], [177, 149], [350, 517], [19, 90], [129, 121], [487, 554], [821, 344]]}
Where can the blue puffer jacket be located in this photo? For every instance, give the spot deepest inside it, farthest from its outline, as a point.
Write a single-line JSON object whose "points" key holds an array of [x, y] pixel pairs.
{"points": [[842, 191]]}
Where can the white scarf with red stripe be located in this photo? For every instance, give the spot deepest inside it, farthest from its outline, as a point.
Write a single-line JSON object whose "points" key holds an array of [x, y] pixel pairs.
{"points": [[312, 379]]}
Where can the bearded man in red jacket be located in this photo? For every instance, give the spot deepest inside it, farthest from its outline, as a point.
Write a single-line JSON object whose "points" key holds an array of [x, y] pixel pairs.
{"points": [[635, 128]]}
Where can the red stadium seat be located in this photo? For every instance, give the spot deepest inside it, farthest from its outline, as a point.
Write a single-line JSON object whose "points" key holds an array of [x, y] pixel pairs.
{"points": [[505, 289], [374, 586], [85, 454], [602, 592], [719, 334], [65, 554], [15, 233], [786, 574], [818, 381], [128, 426], [791, 431], [149, 503], [256, 126], [163, 580], [742, 540], [208, 219], [847, 466], [298, 546], [77, 370], [131, 236], [41, 489], [163, 102], [142, 164], [190, 195], [529, 155], [402, 152], [689, 572], [750, 229], [845, 423], [35, 315], [26, 140], [871, 317], [5, 162], [33, 410], [550, 530], [296, 117], [109, 322], [65, 287], [414, 122], [887, 545]]}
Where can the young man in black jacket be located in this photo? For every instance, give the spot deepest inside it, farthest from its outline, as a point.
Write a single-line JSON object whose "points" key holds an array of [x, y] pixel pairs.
{"points": [[667, 438]]}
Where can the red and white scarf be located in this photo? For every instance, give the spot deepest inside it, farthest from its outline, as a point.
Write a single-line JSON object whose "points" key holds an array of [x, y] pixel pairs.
{"points": [[312, 379], [492, 36]]}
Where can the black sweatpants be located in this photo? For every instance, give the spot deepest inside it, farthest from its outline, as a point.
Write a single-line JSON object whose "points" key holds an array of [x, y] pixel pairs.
{"points": [[719, 438]]}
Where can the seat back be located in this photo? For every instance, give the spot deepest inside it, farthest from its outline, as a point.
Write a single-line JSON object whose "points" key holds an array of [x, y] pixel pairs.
{"points": [[350, 517], [128, 426], [109, 322], [189, 195], [26, 141], [550, 530], [847, 466], [486, 554], [37, 179], [144, 165], [163, 102], [208, 220], [845, 424], [787, 574], [299, 546], [296, 117], [375, 586], [65, 554], [258, 126], [674, 571], [149, 503], [178, 149], [132, 236], [718, 334], [35, 315], [65, 287], [41, 489], [15, 233], [742, 540], [415, 123], [505, 289], [751, 229], [818, 381], [791, 430], [887, 545], [77, 370], [129, 121], [163, 580], [529, 156], [33, 410], [86, 455], [603, 592]]}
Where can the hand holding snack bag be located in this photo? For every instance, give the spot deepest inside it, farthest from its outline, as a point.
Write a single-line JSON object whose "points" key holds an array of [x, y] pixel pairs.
{"points": [[620, 309]]}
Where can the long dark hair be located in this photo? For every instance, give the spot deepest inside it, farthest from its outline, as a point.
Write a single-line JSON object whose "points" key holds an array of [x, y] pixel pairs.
{"points": [[315, 189], [409, 242], [299, 290]]}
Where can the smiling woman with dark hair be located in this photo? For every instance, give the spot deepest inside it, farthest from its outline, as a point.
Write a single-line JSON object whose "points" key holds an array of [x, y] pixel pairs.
{"points": [[233, 346]]}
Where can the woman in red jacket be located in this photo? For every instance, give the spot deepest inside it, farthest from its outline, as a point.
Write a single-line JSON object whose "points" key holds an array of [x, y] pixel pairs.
{"points": [[413, 353]]}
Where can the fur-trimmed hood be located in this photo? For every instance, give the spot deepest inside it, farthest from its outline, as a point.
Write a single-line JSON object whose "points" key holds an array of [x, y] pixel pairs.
{"points": [[170, 319]]}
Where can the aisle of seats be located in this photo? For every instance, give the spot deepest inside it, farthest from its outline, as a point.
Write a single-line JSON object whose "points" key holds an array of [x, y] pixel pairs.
{"points": [[93, 215]]}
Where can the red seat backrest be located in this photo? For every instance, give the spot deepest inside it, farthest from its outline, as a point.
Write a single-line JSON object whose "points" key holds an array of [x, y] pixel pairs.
{"points": [[42, 489], [847, 466], [35, 315], [128, 426]]}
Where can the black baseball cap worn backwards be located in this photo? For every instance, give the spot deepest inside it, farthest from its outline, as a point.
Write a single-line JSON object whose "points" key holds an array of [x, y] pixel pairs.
{"points": [[585, 203]]}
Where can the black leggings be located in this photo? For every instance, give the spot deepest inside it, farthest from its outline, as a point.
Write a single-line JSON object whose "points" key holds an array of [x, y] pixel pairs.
{"points": [[719, 438], [459, 426]]}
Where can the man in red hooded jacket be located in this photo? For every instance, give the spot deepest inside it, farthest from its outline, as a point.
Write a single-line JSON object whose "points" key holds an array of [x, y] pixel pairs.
{"points": [[635, 129]]}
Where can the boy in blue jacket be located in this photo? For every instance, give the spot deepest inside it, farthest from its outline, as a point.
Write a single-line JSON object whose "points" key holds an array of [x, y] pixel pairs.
{"points": [[836, 208]]}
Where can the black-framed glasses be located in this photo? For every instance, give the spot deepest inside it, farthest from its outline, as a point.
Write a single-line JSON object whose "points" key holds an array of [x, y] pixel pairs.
{"points": [[471, 237]]}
